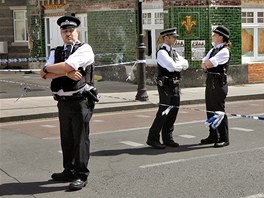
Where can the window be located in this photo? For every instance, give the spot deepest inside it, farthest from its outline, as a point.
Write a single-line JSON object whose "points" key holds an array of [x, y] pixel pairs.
{"points": [[247, 17], [20, 26], [159, 18], [260, 17], [252, 35], [153, 20], [247, 42], [260, 41], [48, 2], [83, 34], [146, 18]]}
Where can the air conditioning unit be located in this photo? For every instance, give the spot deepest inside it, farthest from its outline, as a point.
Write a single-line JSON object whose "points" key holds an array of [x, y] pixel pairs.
{"points": [[3, 47]]}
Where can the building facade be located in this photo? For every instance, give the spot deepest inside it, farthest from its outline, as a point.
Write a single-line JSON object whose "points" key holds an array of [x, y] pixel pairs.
{"points": [[110, 27]]}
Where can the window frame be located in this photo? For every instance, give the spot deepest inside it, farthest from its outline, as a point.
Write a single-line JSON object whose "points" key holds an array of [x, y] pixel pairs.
{"points": [[152, 29], [255, 26], [83, 28], [25, 22]]}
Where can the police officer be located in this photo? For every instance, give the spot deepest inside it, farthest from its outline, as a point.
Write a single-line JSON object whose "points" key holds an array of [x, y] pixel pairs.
{"points": [[170, 64], [216, 63], [70, 68]]}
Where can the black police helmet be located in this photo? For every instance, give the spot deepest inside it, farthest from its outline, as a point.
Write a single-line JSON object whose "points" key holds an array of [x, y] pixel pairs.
{"points": [[223, 31], [68, 22], [168, 32]]}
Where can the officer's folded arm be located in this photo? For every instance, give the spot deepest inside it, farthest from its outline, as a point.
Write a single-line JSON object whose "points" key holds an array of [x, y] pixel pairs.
{"points": [[61, 69], [207, 64], [184, 63]]}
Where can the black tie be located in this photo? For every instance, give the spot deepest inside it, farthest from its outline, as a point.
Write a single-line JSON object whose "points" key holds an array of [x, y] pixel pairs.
{"points": [[212, 53], [68, 51], [170, 52], [173, 54]]}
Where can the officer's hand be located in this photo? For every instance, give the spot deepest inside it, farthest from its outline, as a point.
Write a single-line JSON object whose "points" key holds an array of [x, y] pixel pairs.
{"points": [[185, 64], [74, 75], [203, 66], [43, 74]]}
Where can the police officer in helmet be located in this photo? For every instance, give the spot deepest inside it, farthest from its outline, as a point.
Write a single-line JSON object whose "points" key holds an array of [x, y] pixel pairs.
{"points": [[70, 68], [216, 64], [170, 64]]}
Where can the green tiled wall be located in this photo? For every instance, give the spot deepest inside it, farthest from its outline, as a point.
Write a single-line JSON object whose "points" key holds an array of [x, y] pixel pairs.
{"points": [[205, 18], [36, 31], [231, 18], [113, 32]]}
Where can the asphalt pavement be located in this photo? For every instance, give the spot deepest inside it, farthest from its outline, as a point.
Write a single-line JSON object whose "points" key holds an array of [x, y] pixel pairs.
{"points": [[117, 168], [27, 96]]}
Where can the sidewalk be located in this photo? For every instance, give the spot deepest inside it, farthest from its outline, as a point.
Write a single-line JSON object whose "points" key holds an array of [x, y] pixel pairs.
{"points": [[45, 107]]}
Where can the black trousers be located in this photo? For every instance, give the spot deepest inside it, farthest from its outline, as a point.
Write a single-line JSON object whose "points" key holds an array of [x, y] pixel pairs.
{"points": [[169, 95], [215, 95], [74, 117]]}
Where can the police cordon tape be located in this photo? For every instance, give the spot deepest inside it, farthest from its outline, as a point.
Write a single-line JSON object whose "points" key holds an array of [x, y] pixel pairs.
{"points": [[96, 66], [26, 89], [37, 59], [17, 60], [214, 121]]}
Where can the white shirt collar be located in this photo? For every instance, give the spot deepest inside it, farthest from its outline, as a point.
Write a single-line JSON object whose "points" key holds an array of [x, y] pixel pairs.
{"points": [[219, 45], [65, 45], [168, 48]]}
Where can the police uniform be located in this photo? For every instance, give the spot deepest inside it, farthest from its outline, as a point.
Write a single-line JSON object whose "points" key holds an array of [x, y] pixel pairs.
{"points": [[170, 64], [75, 109], [217, 88]]}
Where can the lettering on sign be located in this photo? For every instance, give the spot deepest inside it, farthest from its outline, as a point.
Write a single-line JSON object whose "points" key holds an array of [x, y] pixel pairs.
{"points": [[53, 6]]}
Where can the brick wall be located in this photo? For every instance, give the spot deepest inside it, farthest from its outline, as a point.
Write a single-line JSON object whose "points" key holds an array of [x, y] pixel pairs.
{"points": [[255, 72], [84, 5], [7, 34]]}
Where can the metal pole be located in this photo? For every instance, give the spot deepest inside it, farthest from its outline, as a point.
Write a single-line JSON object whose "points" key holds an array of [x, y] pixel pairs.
{"points": [[141, 65]]}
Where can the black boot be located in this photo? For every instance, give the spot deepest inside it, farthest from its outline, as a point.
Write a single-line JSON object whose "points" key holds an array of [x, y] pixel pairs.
{"points": [[65, 176], [155, 144]]}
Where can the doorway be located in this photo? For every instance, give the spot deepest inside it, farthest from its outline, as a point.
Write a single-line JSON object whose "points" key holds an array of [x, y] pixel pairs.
{"points": [[52, 37]]}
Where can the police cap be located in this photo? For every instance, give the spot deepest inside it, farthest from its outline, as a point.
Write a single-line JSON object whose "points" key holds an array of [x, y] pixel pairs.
{"points": [[223, 31], [68, 22], [168, 32]]}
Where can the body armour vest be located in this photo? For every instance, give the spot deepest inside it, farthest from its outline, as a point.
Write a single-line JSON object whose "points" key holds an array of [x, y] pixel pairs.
{"points": [[220, 68], [164, 72], [65, 83]]}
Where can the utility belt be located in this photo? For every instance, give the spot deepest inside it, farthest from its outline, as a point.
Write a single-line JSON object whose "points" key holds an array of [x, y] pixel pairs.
{"points": [[219, 76], [91, 95], [169, 81], [74, 97]]}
